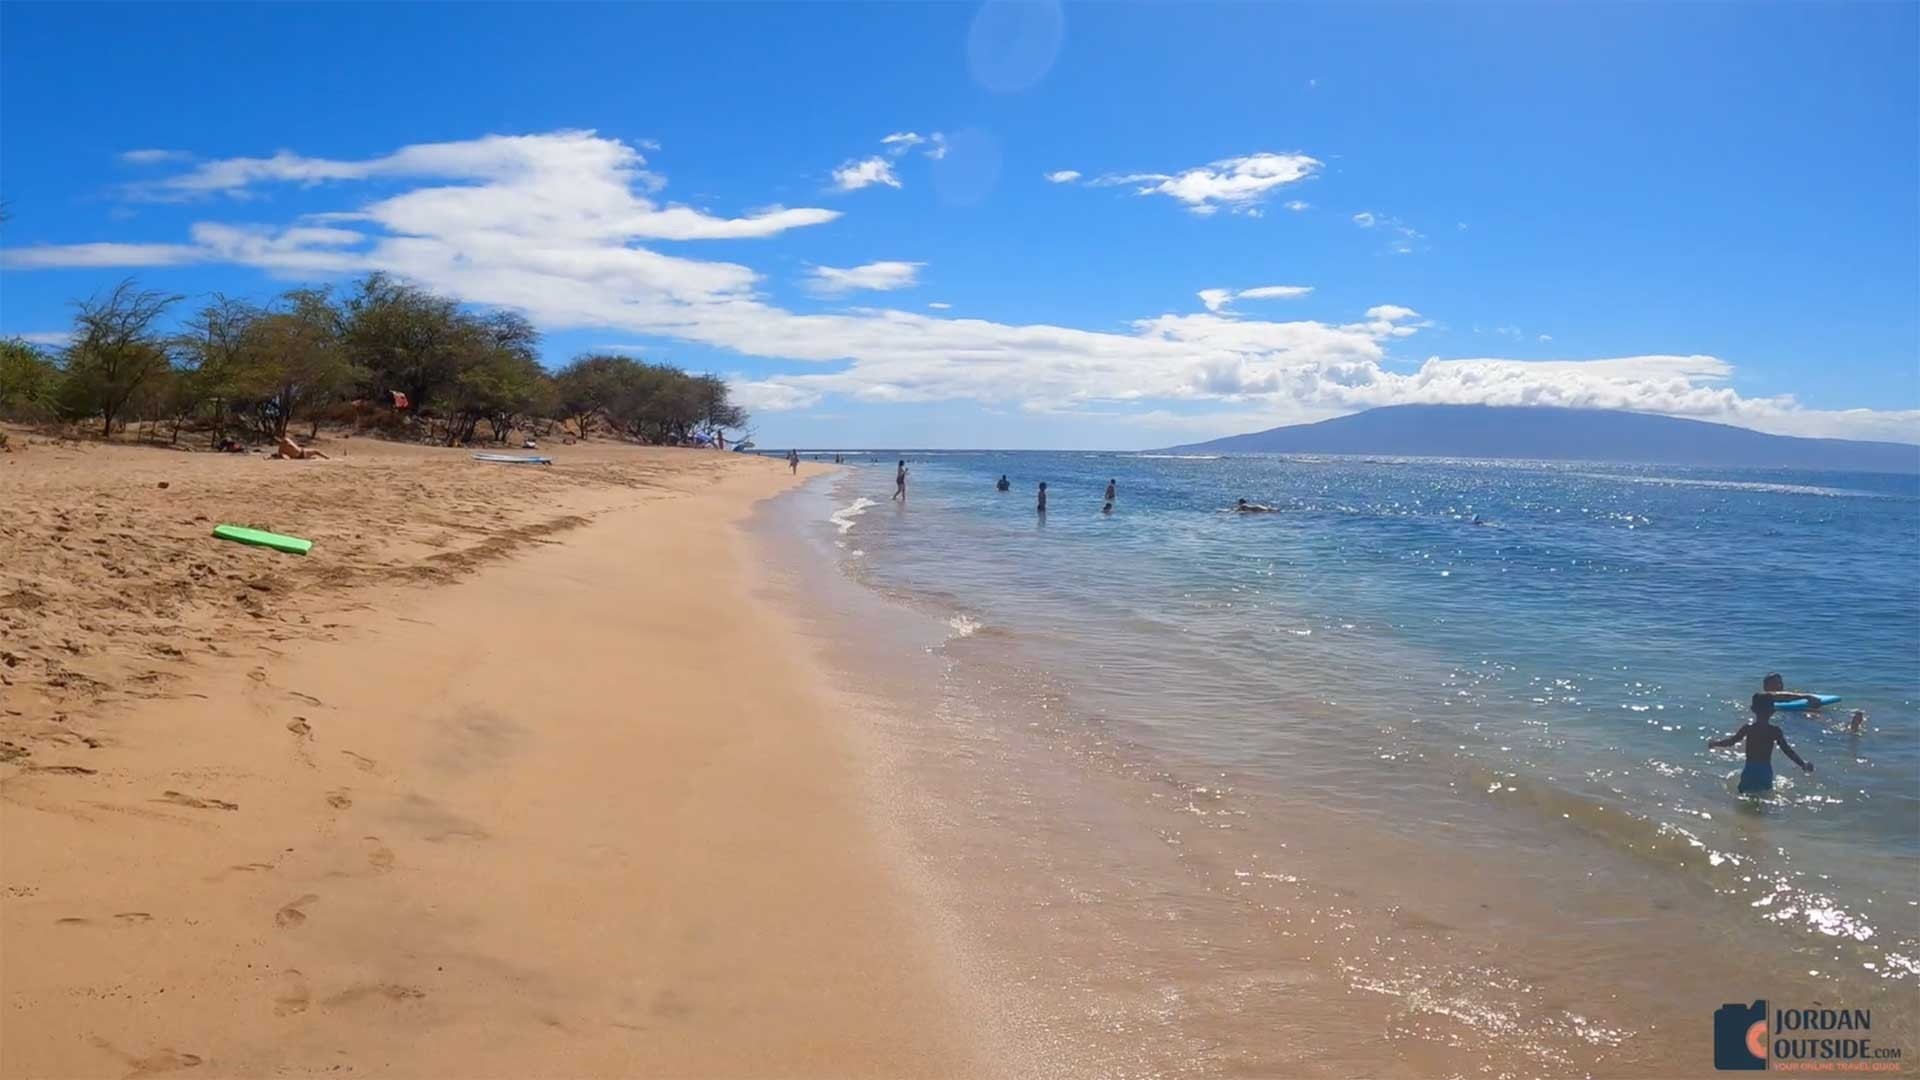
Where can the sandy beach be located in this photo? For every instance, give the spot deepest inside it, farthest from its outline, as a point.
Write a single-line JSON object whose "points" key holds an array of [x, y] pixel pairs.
{"points": [[512, 776]]}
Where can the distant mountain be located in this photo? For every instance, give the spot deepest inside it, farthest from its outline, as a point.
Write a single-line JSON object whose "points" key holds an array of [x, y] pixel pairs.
{"points": [[1553, 434]]}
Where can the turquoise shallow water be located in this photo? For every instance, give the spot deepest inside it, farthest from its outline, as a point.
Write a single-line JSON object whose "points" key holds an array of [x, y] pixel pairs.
{"points": [[1557, 667]]}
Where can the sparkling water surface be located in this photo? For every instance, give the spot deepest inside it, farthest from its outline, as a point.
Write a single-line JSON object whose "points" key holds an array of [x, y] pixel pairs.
{"points": [[1470, 652]]}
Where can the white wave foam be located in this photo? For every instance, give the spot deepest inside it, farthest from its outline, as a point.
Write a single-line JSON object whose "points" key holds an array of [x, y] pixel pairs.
{"points": [[1734, 485], [843, 518], [964, 625], [1182, 457]]}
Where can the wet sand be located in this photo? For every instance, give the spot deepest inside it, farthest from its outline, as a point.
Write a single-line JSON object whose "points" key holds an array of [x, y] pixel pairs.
{"points": [[513, 776]]}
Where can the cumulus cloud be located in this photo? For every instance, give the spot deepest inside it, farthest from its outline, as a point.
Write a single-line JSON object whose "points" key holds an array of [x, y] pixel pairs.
{"points": [[1239, 184], [854, 175], [1063, 176], [556, 226], [870, 277], [1297, 205]]}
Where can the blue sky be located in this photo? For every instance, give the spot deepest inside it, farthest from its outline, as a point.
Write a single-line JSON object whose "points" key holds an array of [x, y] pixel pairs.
{"points": [[1706, 210]]}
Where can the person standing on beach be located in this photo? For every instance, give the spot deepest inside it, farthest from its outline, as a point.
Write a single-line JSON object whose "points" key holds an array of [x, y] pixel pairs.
{"points": [[1761, 736], [793, 462], [1043, 497], [900, 481]]}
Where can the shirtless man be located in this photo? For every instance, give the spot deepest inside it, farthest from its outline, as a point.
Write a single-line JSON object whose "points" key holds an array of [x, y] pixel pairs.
{"points": [[1761, 736]]}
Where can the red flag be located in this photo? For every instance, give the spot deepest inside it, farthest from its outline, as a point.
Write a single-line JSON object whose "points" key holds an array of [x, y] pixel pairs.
{"points": [[399, 399]]}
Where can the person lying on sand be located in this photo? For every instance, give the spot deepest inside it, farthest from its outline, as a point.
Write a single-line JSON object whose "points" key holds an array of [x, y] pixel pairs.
{"points": [[1761, 737], [293, 450], [1245, 507]]}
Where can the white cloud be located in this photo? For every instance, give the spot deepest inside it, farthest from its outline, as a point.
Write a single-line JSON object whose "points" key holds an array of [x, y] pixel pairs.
{"points": [[901, 141], [553, 226], [1297, 205], [55, 256], [1063, 176], [56, 338], [1407, 234], [1218, 299], [154, 157], [938, 306], [761, 395], [854, 175], [1238, 184], [1275, 292], [1546, 337], [872, 277]]}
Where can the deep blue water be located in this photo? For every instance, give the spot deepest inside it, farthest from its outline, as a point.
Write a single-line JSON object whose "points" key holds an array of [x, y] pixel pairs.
{"points": [[1566, 658]]}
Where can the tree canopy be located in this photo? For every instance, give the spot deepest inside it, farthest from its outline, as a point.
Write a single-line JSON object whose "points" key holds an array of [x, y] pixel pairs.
{"points": [[313, 354]]}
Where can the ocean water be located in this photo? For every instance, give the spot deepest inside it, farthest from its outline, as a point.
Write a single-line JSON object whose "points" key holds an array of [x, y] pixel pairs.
{"points": [[1456, 766]]}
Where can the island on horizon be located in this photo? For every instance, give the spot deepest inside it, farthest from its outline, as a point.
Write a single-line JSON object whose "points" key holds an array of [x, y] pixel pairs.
{"points": [[1552, 433]]}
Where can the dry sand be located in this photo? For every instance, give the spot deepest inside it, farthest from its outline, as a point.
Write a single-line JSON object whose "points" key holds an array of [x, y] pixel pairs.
{"points": [[512, 776]]}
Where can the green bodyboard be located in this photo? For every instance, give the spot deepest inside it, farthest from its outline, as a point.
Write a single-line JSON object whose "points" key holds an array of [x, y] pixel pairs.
{"points": [[240, 534]]}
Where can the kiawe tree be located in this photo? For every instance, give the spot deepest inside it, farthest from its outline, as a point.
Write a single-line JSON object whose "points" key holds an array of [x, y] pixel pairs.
{"points": [[29, 380], [294, 360], [116, 350]]}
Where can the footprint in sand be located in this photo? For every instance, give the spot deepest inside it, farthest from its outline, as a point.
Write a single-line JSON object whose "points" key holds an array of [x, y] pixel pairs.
{"points": [[164, 1059], [299, 726], [72, 920], [365, 764], [339, 799], [379, 855], [134, 918], [291, 994], [390, 991], [308, 698], [291, 916], [63, 770], [180, 799], [241, 868]]}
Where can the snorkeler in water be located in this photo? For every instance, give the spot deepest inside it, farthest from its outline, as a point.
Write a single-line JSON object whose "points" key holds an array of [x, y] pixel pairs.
{"points": [[1761, 736], [1245, 507]]}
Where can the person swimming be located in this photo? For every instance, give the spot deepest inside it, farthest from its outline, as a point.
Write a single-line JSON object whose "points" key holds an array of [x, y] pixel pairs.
{"points": [[1002, 485], [1245, 507], [1761, 736]]}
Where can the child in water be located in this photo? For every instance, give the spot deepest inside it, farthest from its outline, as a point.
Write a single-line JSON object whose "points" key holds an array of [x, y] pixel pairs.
{"points": [[1761, 737]]}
